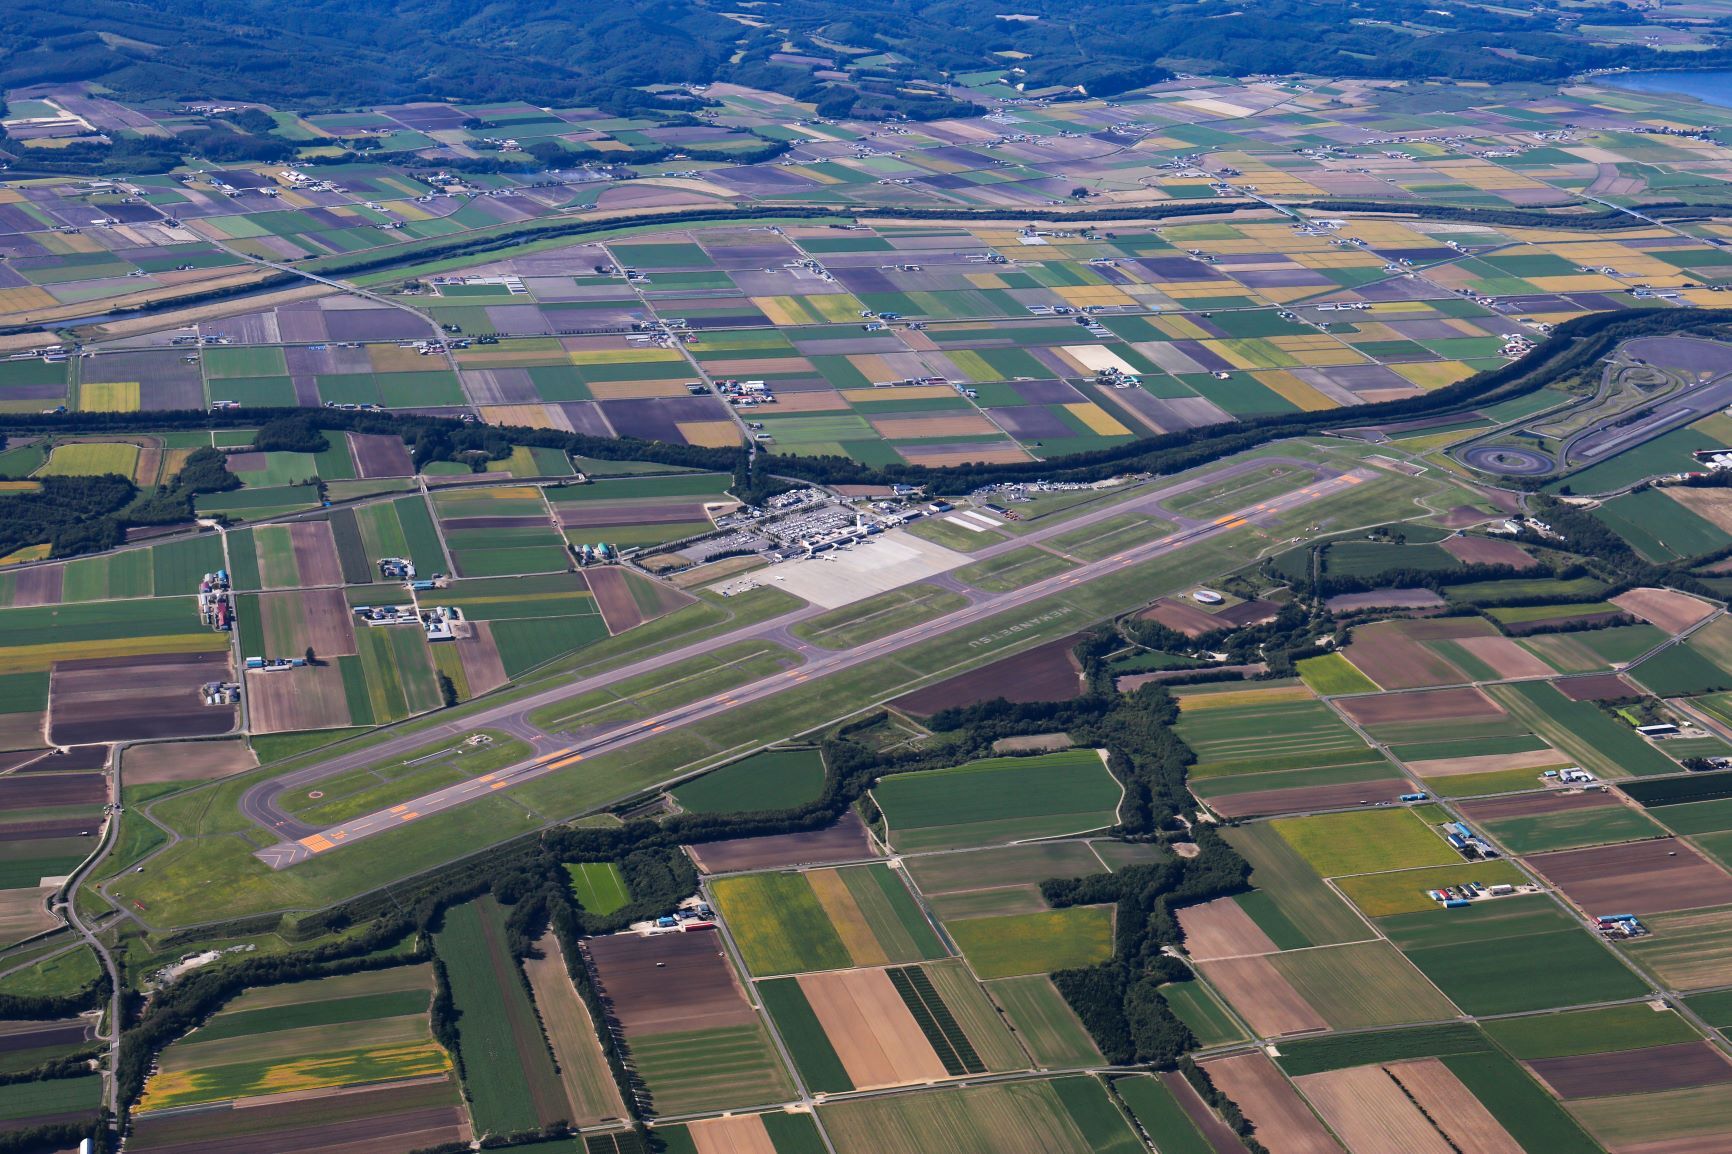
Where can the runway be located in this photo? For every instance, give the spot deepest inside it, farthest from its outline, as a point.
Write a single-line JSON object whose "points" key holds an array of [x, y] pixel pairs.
{"points": [[302, 843]]}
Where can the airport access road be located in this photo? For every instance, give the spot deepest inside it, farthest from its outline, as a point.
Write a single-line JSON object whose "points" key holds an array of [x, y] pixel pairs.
{"points": [[819, 664]]}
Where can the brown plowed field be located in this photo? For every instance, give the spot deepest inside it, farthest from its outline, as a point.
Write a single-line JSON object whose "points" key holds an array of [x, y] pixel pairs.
{"points": [[1371, 1113], [75, 757], [316, 553], [482, 665], [380, 455], [185, 761], [317, 617], [1506, 658], [598, 514], [390, 1119], [1187, 619], [929, 426], [39, 790], [1645, 1071], [288, 700], [1248, 613], [1308, 797], [1535, 804], [1045, 673], [132, 698], [1265, 999], [670, 983], [613, 597], [1595, 687], [1222, 929], [1643, 877], [844, 841], [1453, 1108], [22, 914], [871, 1029], [1467, 704], [744, 1134], [944, 457], [1488, 763], [1486, 551], [1397, 662], [1208, 1124], [1670, 610], [38, 586], [1267, 1099]]}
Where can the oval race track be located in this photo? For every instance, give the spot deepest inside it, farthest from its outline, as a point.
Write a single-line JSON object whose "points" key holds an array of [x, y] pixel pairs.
{"points": [[1508, 461]]}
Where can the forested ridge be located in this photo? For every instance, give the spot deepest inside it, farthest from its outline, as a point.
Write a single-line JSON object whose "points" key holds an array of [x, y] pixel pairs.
{"points": [[323, 54]]}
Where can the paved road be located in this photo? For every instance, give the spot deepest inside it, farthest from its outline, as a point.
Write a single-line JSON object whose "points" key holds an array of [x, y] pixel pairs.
{"points": [[259, 803]]}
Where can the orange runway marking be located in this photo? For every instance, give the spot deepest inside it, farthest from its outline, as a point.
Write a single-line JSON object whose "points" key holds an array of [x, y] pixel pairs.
{"points": [[317, 843], [410, 816]]}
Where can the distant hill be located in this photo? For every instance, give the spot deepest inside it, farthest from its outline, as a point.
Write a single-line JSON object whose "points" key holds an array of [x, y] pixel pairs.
{"points": [[857, 56]]}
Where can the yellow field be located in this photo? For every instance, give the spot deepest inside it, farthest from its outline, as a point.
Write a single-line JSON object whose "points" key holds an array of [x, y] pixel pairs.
{"points": [[109, 397], [1434, 374], [1098, 420], [624, 356], [635, 390], [353, 1067], [1236, 698], [28, 553], [528, 416], [710, 434], [19, 486], [392, 359], [18, 300], [35, 658], [91, 459], [1290, 388]]}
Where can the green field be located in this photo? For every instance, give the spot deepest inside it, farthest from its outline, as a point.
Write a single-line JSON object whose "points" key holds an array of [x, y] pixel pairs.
{"points": [[1368, 841], [1252, 736], [999, 800], [1681, 671], [1020, 944], [1069, 1116], [814, 1057], [507, 1066], [1598, 1031], [1333, 674], [1054, 1036], [1504, 956], [597, 886], [1193, 1004], [722, 1068], [1600, 744], [1362, 985], [1599, 825], [1404, 891], [1159, 1112], [773, 779], [779, 924], [1292, 887], [1014, 569]]}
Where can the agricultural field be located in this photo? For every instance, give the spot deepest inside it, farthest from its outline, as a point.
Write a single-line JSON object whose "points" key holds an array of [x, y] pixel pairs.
{"points": [[508, 1069], [774, 779], [275, 1054], [1065, 1116], [689, 1031], [824, 919], [999, 800]]}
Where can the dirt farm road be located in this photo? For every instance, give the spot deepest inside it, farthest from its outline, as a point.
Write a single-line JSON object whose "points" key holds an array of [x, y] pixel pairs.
{"points": [[302, 842]]}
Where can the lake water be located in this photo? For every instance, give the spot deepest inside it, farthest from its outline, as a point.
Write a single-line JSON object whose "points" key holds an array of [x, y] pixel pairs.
{"points": [[1710, 87]]}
